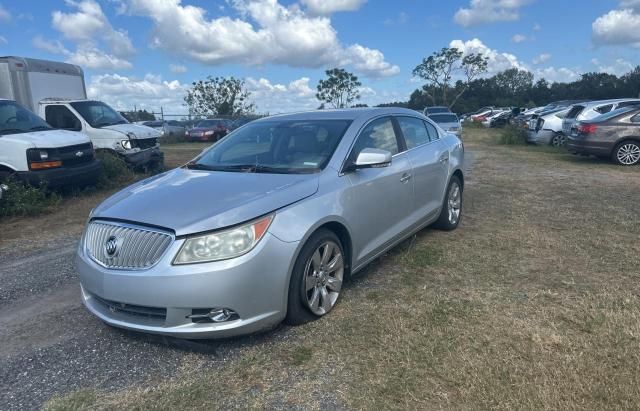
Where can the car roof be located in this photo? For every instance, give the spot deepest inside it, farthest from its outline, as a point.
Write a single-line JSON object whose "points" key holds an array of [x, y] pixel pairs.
{"points": [[595, 103], [343, 114]]}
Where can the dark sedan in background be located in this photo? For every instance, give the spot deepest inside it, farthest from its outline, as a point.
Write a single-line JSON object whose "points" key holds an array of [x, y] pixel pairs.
{"points": [[615, 135], [208, 130]]}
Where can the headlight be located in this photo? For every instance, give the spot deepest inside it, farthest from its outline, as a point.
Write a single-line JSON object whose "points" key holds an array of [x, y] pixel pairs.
{"points": [[126, 144], [208, 133], [224, 244]]}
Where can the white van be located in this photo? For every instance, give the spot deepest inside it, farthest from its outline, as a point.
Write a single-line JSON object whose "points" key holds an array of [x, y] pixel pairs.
{"points": [[57, 93], [34, 152]]}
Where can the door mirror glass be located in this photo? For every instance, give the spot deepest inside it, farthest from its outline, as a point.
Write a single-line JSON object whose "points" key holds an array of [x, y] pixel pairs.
{"points": [[372, 158]]}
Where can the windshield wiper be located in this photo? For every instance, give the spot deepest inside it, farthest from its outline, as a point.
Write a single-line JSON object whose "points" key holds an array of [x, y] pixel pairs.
{"points": [[239, 168], [40, 128], [12, 131], [103, 124]]}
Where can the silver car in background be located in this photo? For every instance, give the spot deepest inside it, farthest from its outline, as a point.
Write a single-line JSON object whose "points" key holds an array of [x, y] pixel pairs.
{"points": [[268, 223], [592, 109], [546, 128], [449, 122]]}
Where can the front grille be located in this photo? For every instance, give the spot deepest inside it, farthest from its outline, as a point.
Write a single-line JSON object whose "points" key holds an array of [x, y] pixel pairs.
{"points": [[143, 144], [131, 247], [135, 310], [74, 149]]}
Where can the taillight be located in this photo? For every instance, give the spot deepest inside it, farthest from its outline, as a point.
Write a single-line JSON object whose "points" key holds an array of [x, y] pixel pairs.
{"points": [[587, 128]]}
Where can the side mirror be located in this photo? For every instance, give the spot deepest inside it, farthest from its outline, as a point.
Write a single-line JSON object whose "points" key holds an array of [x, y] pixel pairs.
{"points": [[372, 158]]}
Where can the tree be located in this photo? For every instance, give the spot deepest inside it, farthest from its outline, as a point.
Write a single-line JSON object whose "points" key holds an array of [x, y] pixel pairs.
{"points": [[514, 82], [439, 69], [340, 88], [140, 115], [218, 96]]}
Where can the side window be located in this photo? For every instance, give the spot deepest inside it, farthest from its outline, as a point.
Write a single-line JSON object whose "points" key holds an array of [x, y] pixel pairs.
{"points": [[627, 104], [378, 134], [635, 119], [433, 132], [414, 131], [62, 117], [604, 109]]}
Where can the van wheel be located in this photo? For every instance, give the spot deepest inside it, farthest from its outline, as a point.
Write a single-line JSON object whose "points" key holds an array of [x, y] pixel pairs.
{"points": [[316, 280], [451, 206], [627, 153]]}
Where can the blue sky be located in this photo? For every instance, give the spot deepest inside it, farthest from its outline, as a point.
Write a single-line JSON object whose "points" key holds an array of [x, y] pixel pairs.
{"points": [[146, 52]]}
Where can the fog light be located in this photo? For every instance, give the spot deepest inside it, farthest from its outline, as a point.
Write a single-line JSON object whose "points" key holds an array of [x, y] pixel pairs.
{"points": [[214, 315]]}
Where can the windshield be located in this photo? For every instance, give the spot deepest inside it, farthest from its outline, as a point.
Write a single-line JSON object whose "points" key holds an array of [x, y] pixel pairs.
{"points": [[207, 123], [444, 118], [98, 114], [275, 147], [16, 119]]}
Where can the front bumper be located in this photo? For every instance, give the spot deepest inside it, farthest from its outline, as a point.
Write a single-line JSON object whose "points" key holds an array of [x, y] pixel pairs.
{"points": [[254, 285], [144, 157], [80, 175], [584, 146]]}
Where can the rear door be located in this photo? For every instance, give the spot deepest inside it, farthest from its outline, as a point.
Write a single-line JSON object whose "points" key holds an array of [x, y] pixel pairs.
{"points": [[379, 203], [429, 159]]}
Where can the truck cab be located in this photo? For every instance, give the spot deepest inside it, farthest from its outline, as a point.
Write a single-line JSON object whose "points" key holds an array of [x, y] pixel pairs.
{"points": [[108, 130], [57, 93], [34, 152]]}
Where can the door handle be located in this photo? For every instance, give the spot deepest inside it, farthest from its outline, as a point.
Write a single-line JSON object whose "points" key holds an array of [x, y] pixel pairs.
{"points": [[444, 158], [405, 177]]}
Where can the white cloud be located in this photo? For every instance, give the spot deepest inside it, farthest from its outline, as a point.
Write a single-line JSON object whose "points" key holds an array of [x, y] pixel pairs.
{"points": [[88, 28], [617, 27], [537, 27], [280, 98], [497, 61], [557, 75], [518, 38], [400, 19], [150, 92], [542, 58], [332, 6], [5, 16], [265, 33], [489, 11], [618, 66], [178, 68], [3, 40]]}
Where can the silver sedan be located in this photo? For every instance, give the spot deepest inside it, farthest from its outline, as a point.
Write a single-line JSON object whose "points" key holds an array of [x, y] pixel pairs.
{"points": [[267, 224]]}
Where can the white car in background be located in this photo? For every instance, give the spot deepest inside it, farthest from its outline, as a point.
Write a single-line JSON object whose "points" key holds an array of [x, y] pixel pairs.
{"points": [[449, 122], [488, 120]]}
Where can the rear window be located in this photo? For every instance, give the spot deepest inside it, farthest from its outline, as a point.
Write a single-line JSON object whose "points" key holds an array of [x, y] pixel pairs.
{"points": [[575, 110], [604, 109], [444, 118], [433, 110]]}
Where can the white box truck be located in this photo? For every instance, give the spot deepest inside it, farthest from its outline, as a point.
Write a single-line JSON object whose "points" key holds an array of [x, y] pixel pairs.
{"points": [[35, 153], [56, 92]]}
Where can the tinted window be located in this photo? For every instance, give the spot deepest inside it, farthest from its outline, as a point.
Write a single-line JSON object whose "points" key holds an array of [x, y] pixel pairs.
{"points": [[628, 103], [62, 117], [575, 110], [377, 134], [604, 109], [635, 119], [433, 110], [444, 118], [433, 132], [414, 131]]}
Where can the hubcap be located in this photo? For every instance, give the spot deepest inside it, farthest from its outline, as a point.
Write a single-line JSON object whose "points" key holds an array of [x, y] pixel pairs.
{"points": [[454, 203], [323, 278], [559, 140], [629, 154]]}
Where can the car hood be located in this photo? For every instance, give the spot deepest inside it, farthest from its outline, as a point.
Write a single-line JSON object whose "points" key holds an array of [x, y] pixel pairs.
{"points": [[47, 138], [137, 130], [194, 201]]}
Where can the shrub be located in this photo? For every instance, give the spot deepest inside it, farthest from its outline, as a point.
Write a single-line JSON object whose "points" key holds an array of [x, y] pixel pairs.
{"points": [[115, 171], [511, 135], [21, 200]]}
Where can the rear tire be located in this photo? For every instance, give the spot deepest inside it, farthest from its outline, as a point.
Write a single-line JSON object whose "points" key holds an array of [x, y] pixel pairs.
{"points": [[558, 140], [316, 280], [627, 153], [451, 212]]}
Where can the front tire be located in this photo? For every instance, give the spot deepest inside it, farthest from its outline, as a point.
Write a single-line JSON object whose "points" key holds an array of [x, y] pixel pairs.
{"points": [[316, 280], [451, 206], [627, 153]]}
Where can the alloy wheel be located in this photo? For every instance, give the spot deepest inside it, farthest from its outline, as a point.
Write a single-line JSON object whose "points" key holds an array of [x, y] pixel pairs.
{"points": [[323, 277], [628, 154], [559, 140], [454, 203]]}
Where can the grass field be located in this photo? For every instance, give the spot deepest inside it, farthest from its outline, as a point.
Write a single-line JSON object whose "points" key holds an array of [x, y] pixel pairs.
{"points": [[533, 302]]}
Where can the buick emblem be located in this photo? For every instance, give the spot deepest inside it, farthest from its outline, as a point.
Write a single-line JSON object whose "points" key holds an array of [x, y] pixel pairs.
{"points": [[79, 154], [111, 246]]}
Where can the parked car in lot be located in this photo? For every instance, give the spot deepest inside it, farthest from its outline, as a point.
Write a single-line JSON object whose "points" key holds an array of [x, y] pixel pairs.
{"points": [[546, 128], [496, 117], [449, 122], [466, 116], [592, 109], [208, 130], [34, 152], [168, 128], [266, 225], [435, 110], [615, 135]]}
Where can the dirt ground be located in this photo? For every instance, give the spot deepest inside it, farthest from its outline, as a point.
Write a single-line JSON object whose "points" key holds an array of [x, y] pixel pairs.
{"points": [[533, 302]]}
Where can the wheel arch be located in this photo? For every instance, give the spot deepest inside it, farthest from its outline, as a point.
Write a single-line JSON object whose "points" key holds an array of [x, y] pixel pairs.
{"points": [[458, 173]]}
